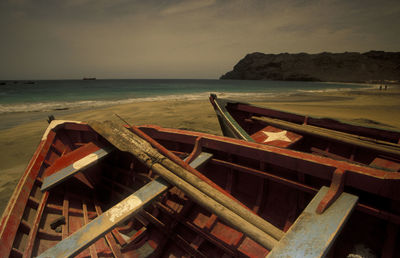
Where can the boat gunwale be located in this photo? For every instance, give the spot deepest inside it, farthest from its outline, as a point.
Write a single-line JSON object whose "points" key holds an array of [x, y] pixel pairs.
{"points": [[11, 216], [233, 125]]}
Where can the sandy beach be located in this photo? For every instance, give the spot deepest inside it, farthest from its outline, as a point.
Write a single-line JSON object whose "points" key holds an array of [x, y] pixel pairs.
{"points": [[370, 107]]}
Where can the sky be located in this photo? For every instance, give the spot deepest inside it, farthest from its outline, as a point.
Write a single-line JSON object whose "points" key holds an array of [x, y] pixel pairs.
{"points": [[198, 39]]}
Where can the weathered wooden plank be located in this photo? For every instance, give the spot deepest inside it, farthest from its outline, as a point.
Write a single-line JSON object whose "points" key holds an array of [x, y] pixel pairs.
{"points": [[35, 226], [65, 213], [92, 248], [109, 238], [313, 234], [78, 164], [203, 158], [104, 223]]}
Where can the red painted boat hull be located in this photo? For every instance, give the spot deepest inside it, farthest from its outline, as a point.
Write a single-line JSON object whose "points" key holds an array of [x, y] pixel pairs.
{"points": [[276, 183]]}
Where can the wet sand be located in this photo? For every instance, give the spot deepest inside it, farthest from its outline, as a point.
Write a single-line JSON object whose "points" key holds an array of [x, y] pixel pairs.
{"points": [[370, 107]]}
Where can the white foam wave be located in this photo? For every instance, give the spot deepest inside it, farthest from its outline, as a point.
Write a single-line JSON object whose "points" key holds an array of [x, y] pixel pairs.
{"points": [[326, 90], [51, 106]]}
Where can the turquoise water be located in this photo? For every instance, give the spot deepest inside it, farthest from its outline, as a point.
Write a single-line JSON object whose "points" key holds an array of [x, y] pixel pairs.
{"points": [[24, 96]]}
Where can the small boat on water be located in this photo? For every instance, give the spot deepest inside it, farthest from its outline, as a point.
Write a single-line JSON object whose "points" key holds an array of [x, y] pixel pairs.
{"points": [[102, 190], [323, 136]]}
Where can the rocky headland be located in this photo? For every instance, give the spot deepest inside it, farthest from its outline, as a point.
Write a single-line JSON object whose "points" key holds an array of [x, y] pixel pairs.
{"points": [[372, 66]]}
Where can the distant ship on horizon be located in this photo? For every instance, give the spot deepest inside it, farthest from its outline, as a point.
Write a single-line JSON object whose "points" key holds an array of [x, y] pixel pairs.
{"points": [[89, 78]]}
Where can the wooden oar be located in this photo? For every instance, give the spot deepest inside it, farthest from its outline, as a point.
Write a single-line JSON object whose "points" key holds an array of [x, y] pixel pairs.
{"points": [[199, 191], [364, 142], [207, 186], [170, 155]]}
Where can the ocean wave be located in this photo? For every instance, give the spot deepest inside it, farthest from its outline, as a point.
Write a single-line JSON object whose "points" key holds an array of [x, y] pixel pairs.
{"points": [[325, 90], [87, 104]]}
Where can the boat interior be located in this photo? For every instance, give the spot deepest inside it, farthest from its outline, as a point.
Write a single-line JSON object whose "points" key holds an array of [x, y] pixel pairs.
{"points": [[275, 186]]}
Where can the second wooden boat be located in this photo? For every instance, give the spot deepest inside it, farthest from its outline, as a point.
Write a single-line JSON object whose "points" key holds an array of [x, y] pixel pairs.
{"points": [[327, 137]]}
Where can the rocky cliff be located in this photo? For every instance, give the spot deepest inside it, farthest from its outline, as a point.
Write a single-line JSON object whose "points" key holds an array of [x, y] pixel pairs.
{"points": [[339, 67]]}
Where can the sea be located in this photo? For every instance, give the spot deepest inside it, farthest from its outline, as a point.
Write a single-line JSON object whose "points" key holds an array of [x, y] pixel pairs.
{"points": [[48, 95]]}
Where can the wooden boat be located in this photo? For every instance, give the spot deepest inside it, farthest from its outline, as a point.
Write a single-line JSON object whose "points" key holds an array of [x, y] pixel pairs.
{"points": [[79, 196], [323, 136]]}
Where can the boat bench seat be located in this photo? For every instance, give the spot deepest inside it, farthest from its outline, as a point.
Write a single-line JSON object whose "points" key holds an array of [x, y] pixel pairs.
{"points": [[72, 164], [313, 234], [276, 137]]}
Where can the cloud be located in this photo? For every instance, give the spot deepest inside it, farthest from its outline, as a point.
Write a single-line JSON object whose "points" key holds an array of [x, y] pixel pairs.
{"points": [[187, 6]]}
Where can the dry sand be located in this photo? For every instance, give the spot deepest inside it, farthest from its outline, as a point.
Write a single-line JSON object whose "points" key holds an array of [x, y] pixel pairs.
{"points": [[18, 142]]}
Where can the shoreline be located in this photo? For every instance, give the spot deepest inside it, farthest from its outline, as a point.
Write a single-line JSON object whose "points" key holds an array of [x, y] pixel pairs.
{"points": [[29, 111], [18, 141], [374, 106]]}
